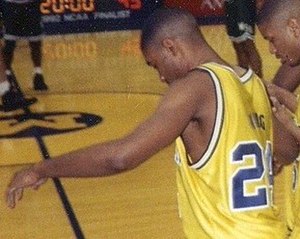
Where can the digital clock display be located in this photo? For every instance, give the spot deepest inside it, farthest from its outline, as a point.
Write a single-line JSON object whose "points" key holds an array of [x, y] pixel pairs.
{"points": [[67, 6], [77, 16]]}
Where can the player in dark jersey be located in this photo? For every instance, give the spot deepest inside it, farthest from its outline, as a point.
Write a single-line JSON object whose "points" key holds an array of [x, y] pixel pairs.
{"points": [[240, 25], [279, 23], [22, 20]]}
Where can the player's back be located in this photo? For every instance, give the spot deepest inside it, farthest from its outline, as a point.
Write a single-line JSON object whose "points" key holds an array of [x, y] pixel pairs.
{"points": [[229, 190]]}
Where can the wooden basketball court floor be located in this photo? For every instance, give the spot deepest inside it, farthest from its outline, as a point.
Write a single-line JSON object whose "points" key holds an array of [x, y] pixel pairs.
{"points": [[99, 78]]}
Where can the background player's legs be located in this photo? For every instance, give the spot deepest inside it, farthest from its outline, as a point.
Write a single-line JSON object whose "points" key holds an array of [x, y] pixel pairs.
{"points": [[36, 56], [8, 54], [4, 84], [248, 56], [240, 25], [13, 99]]}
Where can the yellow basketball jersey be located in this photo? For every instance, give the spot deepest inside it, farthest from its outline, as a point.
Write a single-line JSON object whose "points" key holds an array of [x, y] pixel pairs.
{"points": [[291, 196], [228, 193], [292, 193]]}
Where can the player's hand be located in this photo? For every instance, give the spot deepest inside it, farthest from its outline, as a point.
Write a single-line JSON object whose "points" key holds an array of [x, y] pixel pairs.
{"points": [[281, 112], [22, 179], [283, 96]]}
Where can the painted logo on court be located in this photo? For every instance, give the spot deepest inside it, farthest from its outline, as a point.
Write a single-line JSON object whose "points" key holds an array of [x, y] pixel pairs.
{"points": [[31, 124], [37, 125]]}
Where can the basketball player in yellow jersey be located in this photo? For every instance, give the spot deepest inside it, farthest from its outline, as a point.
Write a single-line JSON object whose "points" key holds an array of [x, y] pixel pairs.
{"points": [[279, 23], [284, 103], [229, 189], [225, 126]]}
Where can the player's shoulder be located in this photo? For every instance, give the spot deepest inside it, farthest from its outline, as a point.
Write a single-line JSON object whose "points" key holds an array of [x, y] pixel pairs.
{"points": [[193, 88], [194, 80]]}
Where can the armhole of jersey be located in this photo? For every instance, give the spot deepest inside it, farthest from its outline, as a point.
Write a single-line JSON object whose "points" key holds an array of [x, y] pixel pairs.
{"points": [[213, 142]]}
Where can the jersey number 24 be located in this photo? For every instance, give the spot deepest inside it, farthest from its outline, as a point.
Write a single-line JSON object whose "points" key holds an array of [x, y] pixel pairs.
{"points": [[251, 184]]}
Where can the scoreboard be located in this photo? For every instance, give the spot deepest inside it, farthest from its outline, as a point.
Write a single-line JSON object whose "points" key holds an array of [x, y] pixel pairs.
{"points": [[76, 16]]}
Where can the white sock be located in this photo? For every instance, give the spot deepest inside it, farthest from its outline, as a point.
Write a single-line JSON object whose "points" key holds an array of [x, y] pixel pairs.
{"points": [[37, 70], [8, 72], [4, 87]]}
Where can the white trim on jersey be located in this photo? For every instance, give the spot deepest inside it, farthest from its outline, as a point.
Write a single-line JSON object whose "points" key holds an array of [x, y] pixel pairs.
{"points": [[218, 121], [246, 76]]}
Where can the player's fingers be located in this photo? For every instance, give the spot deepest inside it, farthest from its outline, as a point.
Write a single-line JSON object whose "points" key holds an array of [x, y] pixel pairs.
{"points": [[19, 194], [277, 91], [35, 187], [277, 106], [39, 183], [275, 102], [10, 198], [271, 89]]}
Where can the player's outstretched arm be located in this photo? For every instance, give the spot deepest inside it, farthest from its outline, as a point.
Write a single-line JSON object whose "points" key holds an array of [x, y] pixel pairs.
{"points": [[105, 159], [172, 116]]}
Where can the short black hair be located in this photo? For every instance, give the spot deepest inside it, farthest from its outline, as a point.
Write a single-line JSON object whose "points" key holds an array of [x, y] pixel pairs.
{"points": [[274, 9], [166, 19]]}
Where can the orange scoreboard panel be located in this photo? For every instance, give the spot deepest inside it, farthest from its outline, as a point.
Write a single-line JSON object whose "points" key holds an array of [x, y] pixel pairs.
{"points": [[76, 16]]}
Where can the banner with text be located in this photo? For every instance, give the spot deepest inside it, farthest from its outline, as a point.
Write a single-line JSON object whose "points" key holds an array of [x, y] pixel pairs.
{"points": [[77, 16]]}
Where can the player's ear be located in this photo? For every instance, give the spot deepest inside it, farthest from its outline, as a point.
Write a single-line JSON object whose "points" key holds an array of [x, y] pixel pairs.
{"points": [[294, 26], [169, 44]]}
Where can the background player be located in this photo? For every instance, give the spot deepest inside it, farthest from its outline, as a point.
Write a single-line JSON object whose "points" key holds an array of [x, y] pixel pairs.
{"points": [[12, 98], [240, 25], [211, 140], [4, 84], [279, 23], [22, 20]]}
